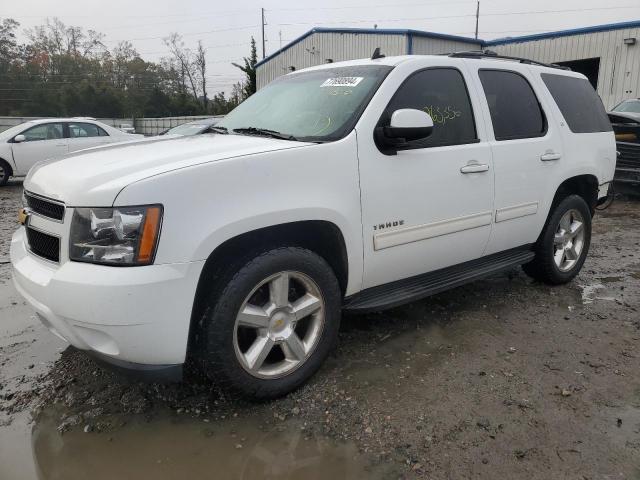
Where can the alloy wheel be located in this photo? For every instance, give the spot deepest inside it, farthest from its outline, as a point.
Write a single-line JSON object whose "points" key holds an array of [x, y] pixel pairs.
{"points": [[568, 240], [279, 325]]}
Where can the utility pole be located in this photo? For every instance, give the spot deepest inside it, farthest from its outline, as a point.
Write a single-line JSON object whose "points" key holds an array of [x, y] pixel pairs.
{"points": [[263, 24], [477, 18]]}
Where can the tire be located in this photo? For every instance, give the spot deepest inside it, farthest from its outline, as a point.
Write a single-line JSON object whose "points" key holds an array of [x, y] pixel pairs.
{"points": [[226, 342], [5, 172], [562, 247]]}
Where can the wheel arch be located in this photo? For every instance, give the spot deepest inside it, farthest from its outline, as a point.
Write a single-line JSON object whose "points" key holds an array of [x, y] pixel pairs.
{"points": [[320, 236], [586, 186], [11, 171]]}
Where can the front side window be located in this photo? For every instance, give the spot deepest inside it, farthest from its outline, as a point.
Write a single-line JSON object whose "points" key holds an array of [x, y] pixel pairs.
{"points": [[319, 105], [579, 103], [442, 93], [46, 131], [514, 107], [83, 130]]}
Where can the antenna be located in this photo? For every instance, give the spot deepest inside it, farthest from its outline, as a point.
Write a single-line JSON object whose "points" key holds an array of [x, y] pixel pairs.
{"points": [[376, 54], [477, 18]]}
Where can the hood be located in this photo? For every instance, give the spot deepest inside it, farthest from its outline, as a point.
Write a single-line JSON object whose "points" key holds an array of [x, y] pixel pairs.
{"points": [[94, 177]]}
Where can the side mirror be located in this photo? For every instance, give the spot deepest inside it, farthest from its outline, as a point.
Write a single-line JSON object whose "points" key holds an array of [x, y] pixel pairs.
{"points": [[19, 138], [406, 124]]}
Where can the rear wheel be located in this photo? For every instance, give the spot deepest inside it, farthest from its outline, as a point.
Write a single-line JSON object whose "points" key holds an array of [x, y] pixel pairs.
{"points": [[5, 172], [273, 323], [564, 243]]}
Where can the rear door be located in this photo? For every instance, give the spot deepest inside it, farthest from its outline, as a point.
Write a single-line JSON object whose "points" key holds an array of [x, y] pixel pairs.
{"points": [[527, 151], [428, 206], [85, 135], [42, 141]]}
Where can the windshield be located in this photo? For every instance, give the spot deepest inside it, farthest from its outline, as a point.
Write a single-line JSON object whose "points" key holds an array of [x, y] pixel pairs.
{"points": [[320, 105], [13, 131], [188, 129], [630, 106]]}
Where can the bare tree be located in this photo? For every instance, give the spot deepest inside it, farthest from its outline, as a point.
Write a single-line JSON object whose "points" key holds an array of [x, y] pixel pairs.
{"points": [[184, 59], [201, 67]]}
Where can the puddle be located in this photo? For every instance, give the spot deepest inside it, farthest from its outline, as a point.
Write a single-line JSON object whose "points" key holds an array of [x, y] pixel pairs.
{"points": [[187, 448], [611, 279], [590, 293]]}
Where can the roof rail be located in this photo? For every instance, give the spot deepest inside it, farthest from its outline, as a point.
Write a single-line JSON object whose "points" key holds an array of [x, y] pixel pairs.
{"points": [[491, 54]]}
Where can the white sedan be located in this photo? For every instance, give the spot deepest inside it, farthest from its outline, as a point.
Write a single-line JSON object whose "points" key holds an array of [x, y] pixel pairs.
{"points": [[24, 145]]}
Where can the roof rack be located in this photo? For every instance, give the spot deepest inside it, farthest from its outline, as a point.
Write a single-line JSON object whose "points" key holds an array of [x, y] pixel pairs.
{"points": [[491, 54]]}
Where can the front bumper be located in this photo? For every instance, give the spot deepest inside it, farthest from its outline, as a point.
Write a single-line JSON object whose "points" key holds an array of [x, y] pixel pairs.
{"points": [[125, 315]]}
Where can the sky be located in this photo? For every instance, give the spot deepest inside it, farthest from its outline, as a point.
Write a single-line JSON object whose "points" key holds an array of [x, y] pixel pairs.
{"points": [[225, 28]]}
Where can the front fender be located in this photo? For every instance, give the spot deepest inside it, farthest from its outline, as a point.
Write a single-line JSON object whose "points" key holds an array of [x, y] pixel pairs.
{"points": [[208, 204]]}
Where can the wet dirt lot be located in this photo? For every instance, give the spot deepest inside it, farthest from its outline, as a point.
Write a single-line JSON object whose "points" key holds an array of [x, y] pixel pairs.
{"points": [[503, 378]]}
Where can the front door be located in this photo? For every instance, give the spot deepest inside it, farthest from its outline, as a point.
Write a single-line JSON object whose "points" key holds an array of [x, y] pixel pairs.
{"points": [[430, 205], [41, 142]]}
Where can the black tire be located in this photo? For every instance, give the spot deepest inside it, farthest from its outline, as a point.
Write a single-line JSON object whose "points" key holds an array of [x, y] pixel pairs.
{"points": [[214, 337], [543, 267], [5, 172]]}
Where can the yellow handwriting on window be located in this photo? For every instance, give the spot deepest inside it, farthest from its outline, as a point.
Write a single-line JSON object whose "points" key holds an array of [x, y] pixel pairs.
{"points": [[442, 113]]}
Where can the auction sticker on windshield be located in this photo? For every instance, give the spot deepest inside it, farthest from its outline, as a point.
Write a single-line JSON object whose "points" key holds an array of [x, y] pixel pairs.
{"points": [[342, 82]]}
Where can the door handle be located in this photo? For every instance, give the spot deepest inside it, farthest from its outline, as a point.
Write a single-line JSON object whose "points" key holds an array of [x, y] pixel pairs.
{"points": [[474, 168], [550, 157], [61, 145]]}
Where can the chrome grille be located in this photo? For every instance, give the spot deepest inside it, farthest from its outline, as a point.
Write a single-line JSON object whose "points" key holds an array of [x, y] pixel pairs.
{"points": [[45, 207]]}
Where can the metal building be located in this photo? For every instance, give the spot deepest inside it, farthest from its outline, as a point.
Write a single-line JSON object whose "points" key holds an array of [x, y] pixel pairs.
{"points": [[609, 55], [322, 45]]}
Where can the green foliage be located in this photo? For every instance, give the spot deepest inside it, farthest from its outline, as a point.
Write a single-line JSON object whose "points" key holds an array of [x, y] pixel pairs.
{"points": [[65, 71], [249, 68]]}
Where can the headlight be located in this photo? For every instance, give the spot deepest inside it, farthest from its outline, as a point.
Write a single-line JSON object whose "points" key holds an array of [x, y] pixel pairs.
{"points": [[115, 236]]}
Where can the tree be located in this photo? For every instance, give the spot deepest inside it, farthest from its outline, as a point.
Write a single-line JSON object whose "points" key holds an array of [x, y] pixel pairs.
{"points": [[66, 70], [184, 59], [201, 67], [249, 68]]}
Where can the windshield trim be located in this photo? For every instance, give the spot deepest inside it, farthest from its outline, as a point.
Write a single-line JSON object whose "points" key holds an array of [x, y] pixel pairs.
{"points": [[349, 125]]}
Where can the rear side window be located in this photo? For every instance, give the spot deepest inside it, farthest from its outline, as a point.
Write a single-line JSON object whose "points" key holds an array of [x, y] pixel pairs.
{"points": [[579, 103], [82, 130], [442, 93], [514, 107]]}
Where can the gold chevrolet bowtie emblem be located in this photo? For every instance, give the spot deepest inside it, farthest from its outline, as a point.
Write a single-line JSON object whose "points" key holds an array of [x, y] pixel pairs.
{"points": [[279, 322], [22, 216]]}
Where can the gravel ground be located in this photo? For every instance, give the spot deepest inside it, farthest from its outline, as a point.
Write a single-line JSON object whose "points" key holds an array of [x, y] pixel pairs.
{"points": [[502, 378]]}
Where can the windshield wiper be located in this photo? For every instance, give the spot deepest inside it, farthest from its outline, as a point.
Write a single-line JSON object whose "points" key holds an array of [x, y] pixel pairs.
{"points": [[264, 131], [222, 130]]}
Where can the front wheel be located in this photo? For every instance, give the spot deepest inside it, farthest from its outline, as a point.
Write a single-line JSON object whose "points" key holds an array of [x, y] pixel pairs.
{"points": [[5, 172], [272, 324], [564, 243]]}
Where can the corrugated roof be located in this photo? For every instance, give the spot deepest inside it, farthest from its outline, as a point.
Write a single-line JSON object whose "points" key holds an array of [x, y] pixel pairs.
{"points": [[443, 36], [371, 31], [563, 33]]}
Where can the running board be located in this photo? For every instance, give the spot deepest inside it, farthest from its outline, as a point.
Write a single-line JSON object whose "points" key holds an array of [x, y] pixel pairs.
{"points": [[415, 288]]}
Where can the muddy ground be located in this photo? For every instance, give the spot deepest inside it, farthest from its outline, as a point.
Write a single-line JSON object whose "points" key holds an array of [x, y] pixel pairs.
{"points": [[503, 378]]}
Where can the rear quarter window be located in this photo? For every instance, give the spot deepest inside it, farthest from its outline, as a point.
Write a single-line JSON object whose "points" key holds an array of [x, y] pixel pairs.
{"points": [[578, 102]]}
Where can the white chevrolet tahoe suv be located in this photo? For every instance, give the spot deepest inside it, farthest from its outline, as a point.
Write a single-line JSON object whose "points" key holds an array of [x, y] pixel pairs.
{"points": [[358, 185]]}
